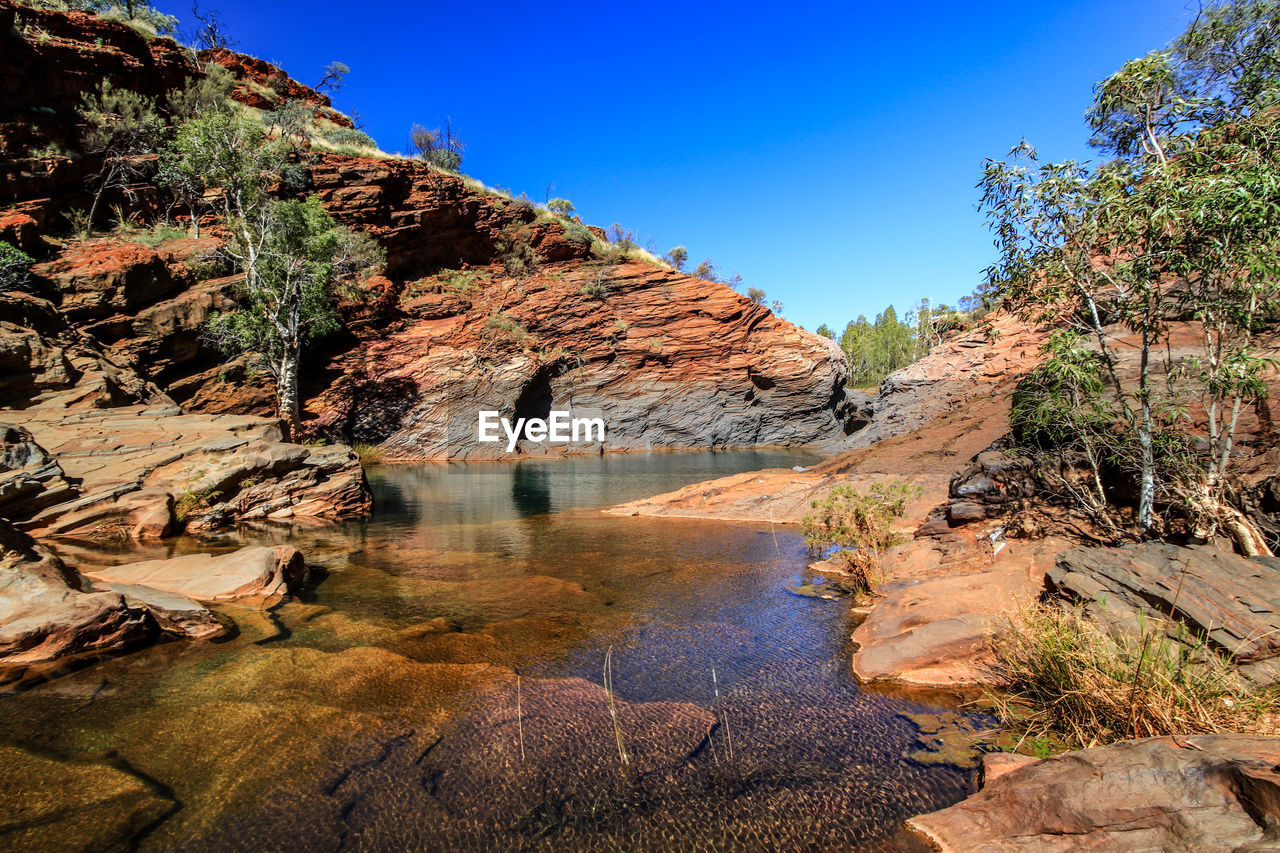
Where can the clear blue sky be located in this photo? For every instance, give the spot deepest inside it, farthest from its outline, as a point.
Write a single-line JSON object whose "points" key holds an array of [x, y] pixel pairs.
{"points": [[826, 151]]}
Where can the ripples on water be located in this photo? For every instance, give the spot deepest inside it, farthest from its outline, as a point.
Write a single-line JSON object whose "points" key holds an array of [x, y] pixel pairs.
{"points": [[384, 711]]}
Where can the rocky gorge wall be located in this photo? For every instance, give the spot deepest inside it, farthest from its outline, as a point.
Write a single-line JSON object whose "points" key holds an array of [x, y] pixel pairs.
{"points": [[668, 360]]}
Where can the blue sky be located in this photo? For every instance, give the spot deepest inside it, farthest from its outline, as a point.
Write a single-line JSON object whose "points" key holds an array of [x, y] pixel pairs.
{"points": [[826, 151]]}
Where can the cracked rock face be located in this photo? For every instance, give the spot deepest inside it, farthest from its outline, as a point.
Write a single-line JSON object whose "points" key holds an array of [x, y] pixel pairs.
{"points": [[1229, 599], [1200, 794]]}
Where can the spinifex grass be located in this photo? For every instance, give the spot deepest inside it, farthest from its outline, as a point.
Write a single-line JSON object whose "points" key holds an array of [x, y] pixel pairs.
{"points": [[1057, 673], [369, 454]]}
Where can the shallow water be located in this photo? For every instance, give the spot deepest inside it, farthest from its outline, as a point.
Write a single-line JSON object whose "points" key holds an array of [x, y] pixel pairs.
{"points": [[439, 687]]}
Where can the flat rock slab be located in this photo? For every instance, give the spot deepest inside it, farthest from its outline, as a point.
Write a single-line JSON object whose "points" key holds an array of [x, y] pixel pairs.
{"points": [[1199, 794], [1232, 600], [255, 571], [932, 631]]}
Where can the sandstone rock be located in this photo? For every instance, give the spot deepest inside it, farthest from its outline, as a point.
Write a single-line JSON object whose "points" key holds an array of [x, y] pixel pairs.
{"points": [[19, 229], [97, 278], [45, 361], [29, 479], [254, 571], [264, 86], [997, 764], [927, 431], [949, 598], [994, 478], [667, 360], [50, 72], [969, 370], [173, 613], [134, 464], [965, 512], [1227, 598], [1180, 795], [43, 615], [917, 630]]}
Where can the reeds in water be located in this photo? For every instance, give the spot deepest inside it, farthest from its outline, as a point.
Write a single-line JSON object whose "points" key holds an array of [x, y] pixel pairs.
{"points": [[613, 711]]}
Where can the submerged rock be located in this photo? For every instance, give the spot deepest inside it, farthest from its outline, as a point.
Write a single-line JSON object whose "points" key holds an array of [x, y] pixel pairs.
{"points": [[1198, 794], [47, 804]]}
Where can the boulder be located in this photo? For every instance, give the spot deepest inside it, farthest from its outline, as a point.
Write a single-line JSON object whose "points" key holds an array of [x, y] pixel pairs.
{"points": [[253, 571], [44, 615], [29, 479], [932, 631], [1232, 600], [101, 277], [994, 478], [1200, 794], [19, 229]]}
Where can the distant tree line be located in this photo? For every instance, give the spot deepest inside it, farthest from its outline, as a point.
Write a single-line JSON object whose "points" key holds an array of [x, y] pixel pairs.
{"points": [[877, 348]]}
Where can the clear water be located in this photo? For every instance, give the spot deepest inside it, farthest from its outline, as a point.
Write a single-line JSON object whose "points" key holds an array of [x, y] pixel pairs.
{"points": [[439, 686]]}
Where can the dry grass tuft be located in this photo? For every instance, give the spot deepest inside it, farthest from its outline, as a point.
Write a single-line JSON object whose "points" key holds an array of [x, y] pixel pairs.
{"points": [[369, 454], [1058, 674]]}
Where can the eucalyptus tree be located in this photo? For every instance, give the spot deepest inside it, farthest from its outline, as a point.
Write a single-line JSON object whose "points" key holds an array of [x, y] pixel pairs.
{"points": [[299, 256], [1181, 222], [292, 254]]}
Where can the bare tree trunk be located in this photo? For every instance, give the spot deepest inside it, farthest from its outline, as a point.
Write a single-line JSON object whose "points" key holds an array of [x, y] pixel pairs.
{"points": [[1245, 533], [93, 210], [1146, 441], [287, 391]]}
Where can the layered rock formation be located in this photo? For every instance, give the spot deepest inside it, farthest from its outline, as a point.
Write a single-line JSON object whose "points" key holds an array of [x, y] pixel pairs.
{"points": [[666, 360], [1227, 599], [1181, 795]]}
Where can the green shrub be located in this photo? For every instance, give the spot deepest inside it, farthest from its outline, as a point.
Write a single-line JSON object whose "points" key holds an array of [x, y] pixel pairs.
{"points": [[369, 454], [515, 249], [347, 136], [561, 206], [500, 327], [858, 527], [578, 233], [598, 286], [202, 95], [15, 267], [441, 147], [192, 502]]}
